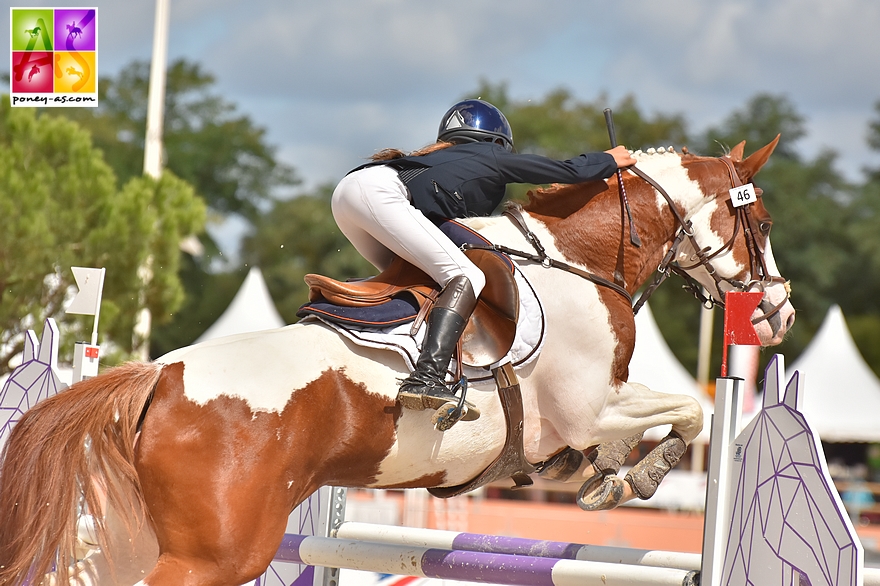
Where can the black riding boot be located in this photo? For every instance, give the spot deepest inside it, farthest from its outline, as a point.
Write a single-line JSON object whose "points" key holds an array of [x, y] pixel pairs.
{"points": [[425, 387]]}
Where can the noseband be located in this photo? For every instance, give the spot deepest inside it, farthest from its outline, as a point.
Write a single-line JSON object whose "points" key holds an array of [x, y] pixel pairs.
{"points": [[757, 264]]}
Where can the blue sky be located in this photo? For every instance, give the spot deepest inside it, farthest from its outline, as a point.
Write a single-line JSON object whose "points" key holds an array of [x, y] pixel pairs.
{"points": [[336, 80]]}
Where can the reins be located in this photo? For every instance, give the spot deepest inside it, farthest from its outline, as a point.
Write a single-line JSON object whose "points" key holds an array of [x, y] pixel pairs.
{"points": [[515, 215], [744, 218]]}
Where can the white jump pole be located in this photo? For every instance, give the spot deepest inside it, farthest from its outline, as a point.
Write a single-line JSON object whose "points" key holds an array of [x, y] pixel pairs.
{"points": [[515, 570], [726, 424], [453, 540]]}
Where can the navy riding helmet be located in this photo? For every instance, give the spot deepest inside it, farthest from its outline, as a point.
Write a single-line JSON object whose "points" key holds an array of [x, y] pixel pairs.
{"points": [[475, 121]]}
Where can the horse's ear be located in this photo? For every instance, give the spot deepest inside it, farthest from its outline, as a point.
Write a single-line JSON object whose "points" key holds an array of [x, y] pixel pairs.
{"points": [[736, 153], [756, 160]]}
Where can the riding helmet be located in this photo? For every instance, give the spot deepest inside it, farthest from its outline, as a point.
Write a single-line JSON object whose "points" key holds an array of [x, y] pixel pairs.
{"points": [[475, 121]]}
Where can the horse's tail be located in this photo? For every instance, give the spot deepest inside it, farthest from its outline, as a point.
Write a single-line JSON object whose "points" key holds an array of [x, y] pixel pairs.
{"points": [[57, 453]]}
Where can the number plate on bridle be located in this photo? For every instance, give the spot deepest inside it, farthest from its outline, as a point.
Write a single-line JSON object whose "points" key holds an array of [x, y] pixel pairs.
{"points": [[742, 195]]}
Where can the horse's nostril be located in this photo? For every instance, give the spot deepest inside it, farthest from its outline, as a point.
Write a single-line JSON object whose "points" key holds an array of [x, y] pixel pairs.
{"points": [[789, 322]]}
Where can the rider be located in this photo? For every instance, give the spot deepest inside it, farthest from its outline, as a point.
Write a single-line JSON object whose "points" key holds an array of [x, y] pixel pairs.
{"points": [[392, 207]]}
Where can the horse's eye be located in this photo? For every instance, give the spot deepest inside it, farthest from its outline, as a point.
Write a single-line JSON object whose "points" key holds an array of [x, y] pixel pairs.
{"points": [[764, 227]]}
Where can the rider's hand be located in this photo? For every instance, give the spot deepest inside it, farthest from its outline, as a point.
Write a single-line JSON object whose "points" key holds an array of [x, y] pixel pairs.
{"points": [[621, 157]]}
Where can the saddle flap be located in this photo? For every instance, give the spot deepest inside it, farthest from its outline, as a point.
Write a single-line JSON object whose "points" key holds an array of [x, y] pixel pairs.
{"points": [[490, 332]]}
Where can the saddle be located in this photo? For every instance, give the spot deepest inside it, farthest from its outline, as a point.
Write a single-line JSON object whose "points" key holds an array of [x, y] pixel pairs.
{"points": [[490, 331]]}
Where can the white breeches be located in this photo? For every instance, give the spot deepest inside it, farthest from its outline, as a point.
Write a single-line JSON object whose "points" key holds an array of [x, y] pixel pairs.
{"points": [[372, 208]]}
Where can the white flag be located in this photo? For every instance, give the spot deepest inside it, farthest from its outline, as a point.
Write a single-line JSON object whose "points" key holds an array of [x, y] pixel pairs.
{"points": [[91, 284]]}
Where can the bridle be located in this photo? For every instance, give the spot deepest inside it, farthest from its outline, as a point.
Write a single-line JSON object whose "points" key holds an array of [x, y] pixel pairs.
{"points": [[755, 243], [745, 220]]}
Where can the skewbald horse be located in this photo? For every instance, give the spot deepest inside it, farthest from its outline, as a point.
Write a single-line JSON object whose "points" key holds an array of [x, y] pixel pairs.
{"points": [[207, 450]]}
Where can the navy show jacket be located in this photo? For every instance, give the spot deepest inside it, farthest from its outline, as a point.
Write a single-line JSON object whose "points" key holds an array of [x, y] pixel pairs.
{"points": [[469, 179]]}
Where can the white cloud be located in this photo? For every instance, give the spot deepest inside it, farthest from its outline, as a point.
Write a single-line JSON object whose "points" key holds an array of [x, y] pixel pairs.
{"points": [[336, 80]]}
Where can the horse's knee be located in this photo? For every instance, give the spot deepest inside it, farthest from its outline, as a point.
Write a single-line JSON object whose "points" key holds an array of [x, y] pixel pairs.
{"points": [[690, 424]]}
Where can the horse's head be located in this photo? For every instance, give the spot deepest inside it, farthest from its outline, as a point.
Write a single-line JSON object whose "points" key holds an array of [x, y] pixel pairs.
{"points": [[730, 247]]}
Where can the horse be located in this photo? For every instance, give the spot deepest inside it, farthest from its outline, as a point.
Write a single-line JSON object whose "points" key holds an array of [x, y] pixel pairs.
{"points": [[788, 522], [206, 450], [73, 31]]}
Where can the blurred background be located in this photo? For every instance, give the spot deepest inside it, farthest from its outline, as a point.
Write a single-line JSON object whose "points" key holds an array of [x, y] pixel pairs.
{"points": [[269, 103]]}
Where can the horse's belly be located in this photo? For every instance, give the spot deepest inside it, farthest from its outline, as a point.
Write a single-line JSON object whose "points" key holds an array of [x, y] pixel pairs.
{"points": [[444, 458]]}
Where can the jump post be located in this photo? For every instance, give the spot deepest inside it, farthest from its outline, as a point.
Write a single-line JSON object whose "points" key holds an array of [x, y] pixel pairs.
{"points": [[526, 562]]}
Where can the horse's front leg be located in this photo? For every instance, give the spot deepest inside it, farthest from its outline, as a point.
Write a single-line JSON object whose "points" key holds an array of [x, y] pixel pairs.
{"points": [[634, 405]]}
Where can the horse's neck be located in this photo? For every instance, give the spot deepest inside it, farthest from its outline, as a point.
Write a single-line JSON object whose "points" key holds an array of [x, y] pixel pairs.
{"points": [[597, 234], [590, 225]]}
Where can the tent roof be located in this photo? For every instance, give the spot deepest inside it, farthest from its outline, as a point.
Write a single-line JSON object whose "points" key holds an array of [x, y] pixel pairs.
{"points": [[654, 365], [251, 310], [841, 393]]}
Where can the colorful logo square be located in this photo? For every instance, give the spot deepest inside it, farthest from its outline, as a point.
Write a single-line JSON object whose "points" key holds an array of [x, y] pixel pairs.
{"points": [[74, 72], [53, 56], [32, 72], [75, 29], [32, 29]]}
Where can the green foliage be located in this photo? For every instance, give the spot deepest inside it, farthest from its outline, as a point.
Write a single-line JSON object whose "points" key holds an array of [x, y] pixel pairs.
{"points": [[60, 207], [299, 236], [207, 143], [758, 123], [559, 126], [219, 151], [207, 297]]}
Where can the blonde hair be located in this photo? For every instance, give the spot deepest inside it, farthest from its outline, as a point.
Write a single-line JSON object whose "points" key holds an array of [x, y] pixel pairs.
{"points": [[391, 154]]}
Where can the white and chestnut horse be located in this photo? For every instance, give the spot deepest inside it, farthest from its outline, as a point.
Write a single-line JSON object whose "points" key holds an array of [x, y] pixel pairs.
{"points": [[208, 449]]}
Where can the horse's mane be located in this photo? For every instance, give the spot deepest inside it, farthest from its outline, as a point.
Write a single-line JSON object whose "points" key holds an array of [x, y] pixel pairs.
{"points": [[578, 195]]}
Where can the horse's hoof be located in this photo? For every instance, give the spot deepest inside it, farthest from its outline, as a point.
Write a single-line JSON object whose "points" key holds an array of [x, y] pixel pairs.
{"points": [[605, 497]]}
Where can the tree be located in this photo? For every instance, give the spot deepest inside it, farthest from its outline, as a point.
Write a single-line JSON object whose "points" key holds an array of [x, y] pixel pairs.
{"points": [[60, 207], [221, 152], [824, 240], [763, 117], [560, 126], [207, 143]]}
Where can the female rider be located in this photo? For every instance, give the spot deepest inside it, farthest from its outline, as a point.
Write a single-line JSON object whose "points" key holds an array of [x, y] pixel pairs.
{"points": [[391, 207]]}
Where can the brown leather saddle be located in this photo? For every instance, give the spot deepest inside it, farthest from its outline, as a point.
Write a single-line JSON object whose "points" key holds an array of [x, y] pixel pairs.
{"points": [[489, 333]]}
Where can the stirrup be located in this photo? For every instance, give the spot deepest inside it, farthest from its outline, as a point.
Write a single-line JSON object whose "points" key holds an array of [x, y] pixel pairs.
{"points": [[431, 393], [451, 412]]}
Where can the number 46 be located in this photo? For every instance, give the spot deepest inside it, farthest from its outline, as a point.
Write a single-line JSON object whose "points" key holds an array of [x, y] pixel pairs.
{"points": [[742, 195]]}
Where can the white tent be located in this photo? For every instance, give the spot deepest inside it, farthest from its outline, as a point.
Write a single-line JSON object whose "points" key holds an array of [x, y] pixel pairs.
{"points": [[841, 393], [251, 310], [654, 365]]}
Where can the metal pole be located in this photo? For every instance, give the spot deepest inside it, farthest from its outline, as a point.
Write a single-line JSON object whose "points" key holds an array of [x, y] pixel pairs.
{"points": [[156, 97], [152, 160], [705, 348]]}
